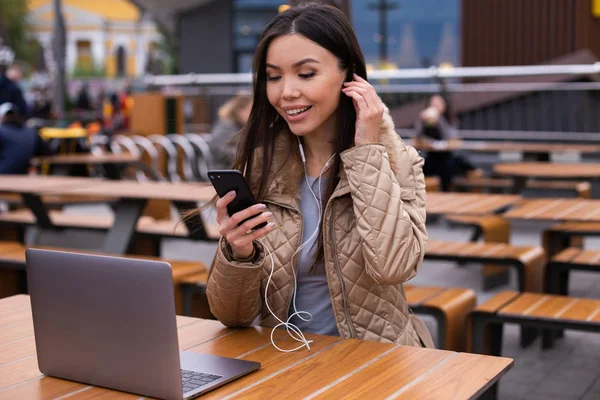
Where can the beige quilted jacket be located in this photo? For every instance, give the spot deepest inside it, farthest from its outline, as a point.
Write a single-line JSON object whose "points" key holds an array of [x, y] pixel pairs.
{"points": [[374, 233]]}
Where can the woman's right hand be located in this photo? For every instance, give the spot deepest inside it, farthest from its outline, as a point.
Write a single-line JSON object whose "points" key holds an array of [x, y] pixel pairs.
{"points": [[240, 238]]}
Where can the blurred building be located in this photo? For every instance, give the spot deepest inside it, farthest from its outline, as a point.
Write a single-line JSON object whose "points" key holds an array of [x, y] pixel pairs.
{"points": [[220, 35], [109, 37], [517, 32]]}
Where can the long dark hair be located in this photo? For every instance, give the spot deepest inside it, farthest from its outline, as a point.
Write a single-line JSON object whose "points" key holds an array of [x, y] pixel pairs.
{"points": [[329, 28]]}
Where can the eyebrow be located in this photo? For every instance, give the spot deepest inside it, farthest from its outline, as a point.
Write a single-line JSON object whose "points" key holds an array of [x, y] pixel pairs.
{"points": [[296, 64]]}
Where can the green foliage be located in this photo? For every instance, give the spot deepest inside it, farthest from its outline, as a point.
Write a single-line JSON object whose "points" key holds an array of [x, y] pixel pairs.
{"points": [[84, 71], [14, 28]]}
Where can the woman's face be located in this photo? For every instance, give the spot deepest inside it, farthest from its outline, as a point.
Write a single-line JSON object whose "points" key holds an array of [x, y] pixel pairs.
{"points": [[304, 83]]}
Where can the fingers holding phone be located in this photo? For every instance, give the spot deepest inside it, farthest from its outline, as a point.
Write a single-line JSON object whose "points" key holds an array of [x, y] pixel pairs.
{"points": [[243, 227]]}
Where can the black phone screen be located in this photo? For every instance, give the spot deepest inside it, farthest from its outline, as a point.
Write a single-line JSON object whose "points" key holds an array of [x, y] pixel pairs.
{"points": [[225, 181]]}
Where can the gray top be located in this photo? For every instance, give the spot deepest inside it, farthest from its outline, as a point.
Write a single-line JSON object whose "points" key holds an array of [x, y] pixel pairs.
{"points": [[313, 291], [222, 145]]}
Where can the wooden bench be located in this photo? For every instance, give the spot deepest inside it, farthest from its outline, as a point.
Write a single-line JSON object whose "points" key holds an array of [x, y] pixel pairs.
{"points": [[571, 259], [532, 310], [449, 306], [432, 184], [12, 255], [568, 234], [528, 261], [493, 229], [533, 187]]}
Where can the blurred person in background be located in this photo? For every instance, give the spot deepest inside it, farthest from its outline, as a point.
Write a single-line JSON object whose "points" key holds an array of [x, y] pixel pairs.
{"points": [[233, 115], [18, 143], [10, 92], [83, 101], [436, 126]]}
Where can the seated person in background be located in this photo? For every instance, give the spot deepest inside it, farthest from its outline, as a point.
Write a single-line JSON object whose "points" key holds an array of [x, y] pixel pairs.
{"points": [[232, 118], [18, 143], [435, 127]]}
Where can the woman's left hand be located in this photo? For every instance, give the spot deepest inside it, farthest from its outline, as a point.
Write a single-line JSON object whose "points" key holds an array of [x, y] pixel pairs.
{"points": [[369, 110]]}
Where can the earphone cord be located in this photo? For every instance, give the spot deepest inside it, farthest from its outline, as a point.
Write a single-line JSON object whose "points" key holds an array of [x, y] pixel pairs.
{"points": [[293, 331]]}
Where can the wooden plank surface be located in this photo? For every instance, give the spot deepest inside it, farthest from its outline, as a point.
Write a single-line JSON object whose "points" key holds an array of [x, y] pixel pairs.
{"points": [[146, 190], [582, 310], [524, 304], [468, 203], [567, 210], [351, 368], [549, 170], [41, 184], [416, 295]]}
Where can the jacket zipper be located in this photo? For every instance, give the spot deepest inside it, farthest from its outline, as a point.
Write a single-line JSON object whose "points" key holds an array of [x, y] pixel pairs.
{"points": [[289, 302], [340, 277]]}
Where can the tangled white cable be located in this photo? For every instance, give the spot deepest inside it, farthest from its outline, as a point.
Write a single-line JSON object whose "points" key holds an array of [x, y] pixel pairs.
{"points": [[292, 330]]}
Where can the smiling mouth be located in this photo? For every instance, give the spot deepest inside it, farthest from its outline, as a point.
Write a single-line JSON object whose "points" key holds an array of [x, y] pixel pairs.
{"points": [[298, 111]]}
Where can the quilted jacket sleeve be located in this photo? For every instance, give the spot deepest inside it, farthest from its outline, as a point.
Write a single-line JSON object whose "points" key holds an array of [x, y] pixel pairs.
{"points": [[233, 287], [389, 208]]}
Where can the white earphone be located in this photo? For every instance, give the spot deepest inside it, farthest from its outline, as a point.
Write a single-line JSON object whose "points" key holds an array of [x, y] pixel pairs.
{"points": [[292, 330]]}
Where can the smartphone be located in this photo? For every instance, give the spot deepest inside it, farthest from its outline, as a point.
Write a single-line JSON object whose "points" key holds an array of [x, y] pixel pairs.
{"points": [[224, 181]]}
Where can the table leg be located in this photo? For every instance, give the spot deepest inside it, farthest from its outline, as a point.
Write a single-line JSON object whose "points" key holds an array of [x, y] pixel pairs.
{"points": [[519, 184], [34, 203], [194, 222], [119, 237]]}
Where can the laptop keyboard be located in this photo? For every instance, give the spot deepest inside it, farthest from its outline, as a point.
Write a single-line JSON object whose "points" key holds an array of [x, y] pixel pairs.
{"points": [[192, 380]]}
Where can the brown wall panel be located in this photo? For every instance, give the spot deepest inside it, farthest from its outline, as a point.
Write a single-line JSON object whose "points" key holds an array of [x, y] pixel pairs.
{"points": [[518, 32]]}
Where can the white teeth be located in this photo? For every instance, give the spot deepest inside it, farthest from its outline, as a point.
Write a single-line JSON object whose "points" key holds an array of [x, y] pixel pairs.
{"points": [[296, 111]]}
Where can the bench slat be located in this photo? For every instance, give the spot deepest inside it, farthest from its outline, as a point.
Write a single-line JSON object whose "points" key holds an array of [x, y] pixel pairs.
{"points": [[524, 304], [567, 255], [582, 310], [448, 297], [587, 257], [553, 307], [497, 302], [416, 295]]}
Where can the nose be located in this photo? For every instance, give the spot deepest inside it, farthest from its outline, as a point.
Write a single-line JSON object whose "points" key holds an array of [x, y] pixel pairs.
{"points": [[289, 91]]}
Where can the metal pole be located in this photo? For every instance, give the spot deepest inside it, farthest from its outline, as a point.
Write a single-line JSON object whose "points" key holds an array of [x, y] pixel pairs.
{"points": [[59, 44]]}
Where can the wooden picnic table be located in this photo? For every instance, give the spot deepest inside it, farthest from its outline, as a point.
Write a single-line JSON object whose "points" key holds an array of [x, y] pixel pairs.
{"points": [[520, 172], [132, 198], [440, 203], [334, 368]]}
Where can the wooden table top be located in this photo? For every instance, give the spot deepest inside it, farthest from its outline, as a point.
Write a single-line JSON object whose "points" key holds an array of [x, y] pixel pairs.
{"points": [[568, 210], [334, 368], [468, 203], [72, 159], [146, 190], [549, 170], [41, 184], [64, 185], [525, 147]]}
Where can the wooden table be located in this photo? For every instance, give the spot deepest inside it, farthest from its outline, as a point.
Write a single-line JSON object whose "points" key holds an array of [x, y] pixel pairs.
{"points": [[132, 198], [468, 203], [523, 171], [536, 151], [561, 210], [334, 368]]}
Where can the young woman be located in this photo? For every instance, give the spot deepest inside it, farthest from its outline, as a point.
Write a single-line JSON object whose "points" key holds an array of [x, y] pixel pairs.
{"points": [[435, 126], [366, 234]]}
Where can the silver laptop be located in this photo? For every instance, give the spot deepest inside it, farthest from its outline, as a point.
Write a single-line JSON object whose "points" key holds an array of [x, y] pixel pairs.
{"points": [[109, 321]]}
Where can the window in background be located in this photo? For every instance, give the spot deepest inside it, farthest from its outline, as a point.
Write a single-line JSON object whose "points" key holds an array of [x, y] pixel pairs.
{"points": [[420, 33], [84, 55], [249, 19]]}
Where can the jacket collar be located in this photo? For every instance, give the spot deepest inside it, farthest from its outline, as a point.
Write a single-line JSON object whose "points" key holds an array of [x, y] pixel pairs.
{"points": [[287, 171]]}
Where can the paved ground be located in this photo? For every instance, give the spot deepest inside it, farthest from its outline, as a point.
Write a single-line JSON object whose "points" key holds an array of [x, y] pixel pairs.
{"points": [[569, 371]]}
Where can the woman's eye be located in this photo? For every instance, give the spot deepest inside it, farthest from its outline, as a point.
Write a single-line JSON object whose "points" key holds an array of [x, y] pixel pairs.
{"points": [[273, 78], [306, 76]]}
